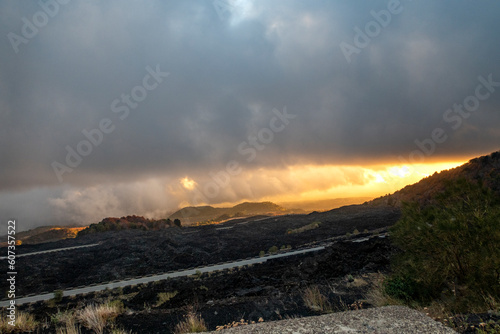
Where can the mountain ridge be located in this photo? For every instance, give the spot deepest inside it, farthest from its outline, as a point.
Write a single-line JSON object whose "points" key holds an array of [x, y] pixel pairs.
{"points": [[207, 214]]}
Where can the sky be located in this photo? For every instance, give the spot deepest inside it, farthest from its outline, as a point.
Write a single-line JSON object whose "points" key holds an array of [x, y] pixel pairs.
{"points": [[111, 108]]}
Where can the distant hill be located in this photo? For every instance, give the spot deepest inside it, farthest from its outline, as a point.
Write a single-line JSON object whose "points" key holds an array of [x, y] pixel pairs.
{"points": [[324, 204], [207, 214], [44, 234], [484, 170]]}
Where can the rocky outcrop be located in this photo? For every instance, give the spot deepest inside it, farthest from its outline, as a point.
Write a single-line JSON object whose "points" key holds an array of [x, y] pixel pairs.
{"points": [[387, 320]]}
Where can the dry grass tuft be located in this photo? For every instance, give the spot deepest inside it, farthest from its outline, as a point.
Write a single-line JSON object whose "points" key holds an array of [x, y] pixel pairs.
{"points": [[69, 328], [192, 323], [96, 317], [25, 322], [315, 300]]}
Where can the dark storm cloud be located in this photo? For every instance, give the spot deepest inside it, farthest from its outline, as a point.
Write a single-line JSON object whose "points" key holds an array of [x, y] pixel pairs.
{"points": [[226, 74]]}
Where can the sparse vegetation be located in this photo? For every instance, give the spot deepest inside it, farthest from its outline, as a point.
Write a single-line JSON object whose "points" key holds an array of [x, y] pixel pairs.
{"points": [[117, 305], [164, 297], [25, 322], [61, 317], [316, 301], [355, 232], [307, 227], [96, 317], [192, 323], [262, 253]]}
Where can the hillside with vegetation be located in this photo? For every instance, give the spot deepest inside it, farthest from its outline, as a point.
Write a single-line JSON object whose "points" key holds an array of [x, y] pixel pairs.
{"points": [[129, 223], [448, 238], [484, 171]]}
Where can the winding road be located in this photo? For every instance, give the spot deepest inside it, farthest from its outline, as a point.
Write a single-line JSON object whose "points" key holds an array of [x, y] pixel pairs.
{"points": [[154, 278], [50, 251]]}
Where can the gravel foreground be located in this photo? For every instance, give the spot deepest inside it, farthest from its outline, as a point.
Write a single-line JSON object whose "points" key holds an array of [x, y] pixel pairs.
{"points": [[381, 320]]}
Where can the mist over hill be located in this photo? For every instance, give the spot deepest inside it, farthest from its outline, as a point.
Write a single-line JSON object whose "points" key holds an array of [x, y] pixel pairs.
{"points": [[44, 234]]}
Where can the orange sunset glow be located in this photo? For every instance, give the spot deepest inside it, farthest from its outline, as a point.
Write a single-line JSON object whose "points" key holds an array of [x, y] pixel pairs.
{"points": [[319, 182]]}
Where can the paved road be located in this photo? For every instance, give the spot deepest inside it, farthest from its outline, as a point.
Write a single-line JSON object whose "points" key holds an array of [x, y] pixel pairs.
{"points": [[154, 278], [50, 251], [224, 228]]}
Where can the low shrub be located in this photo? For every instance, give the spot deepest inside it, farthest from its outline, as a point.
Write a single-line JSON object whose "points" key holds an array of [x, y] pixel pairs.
{"points": [[58, 296], [273, 250]]}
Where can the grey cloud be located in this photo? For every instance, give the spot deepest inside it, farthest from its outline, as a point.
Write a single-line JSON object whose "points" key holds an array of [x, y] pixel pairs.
{"points": [[226, 76]]}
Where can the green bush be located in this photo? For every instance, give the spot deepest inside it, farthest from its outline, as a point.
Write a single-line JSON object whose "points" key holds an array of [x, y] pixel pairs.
{"points": [[58, 296], [402, 288], [273, 250], [450, 246]]}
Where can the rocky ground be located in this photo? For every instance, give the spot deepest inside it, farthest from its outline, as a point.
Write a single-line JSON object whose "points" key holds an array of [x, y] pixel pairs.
{"points": [[132, 253], [343, 273], [387, 320]]}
